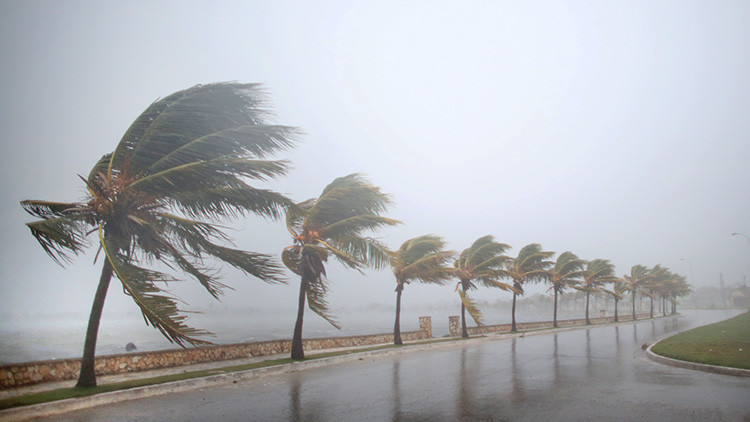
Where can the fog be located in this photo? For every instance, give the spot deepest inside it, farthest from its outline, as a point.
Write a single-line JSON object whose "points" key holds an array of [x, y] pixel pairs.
{"points": [[613, 130]]}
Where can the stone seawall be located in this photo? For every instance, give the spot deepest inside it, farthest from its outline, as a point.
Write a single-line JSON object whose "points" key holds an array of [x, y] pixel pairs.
{"points": [[16, 375], [454, 324]]}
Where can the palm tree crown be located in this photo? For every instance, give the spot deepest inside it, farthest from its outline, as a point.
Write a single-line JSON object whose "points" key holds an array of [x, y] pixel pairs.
{"points": [[333, 225], [186, 158], [483, 261], [421, 259]]}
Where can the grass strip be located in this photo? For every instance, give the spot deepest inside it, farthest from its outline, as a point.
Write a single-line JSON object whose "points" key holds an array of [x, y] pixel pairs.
{"points": [[72, 392], [725, 343]]}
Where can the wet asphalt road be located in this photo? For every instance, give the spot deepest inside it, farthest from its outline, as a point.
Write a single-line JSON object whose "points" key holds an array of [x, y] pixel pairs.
{"points": [[588, 374]]}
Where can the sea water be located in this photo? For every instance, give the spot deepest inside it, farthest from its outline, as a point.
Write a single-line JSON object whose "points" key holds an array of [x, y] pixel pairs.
{"points": [[45, 337]]}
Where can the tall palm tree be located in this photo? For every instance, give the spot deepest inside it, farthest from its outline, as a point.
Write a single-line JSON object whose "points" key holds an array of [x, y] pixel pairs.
{"points": [[483, 261], [597, 273], [531, 264], [619, 287], [678, 288], [185, 159], [639, 275], [672, 285], [566, 272], [421, 259], [333, 225], [659, 276]]}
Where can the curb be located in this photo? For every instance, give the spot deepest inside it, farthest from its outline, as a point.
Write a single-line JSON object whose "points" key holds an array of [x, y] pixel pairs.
{"points": [[714, 369]]}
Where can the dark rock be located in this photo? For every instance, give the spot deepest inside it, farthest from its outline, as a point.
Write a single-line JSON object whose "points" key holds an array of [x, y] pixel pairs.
{"points": [[130, 347]]}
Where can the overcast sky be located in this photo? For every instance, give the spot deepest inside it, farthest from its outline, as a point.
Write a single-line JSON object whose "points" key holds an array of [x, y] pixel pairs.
{"points": [[615, 130]]}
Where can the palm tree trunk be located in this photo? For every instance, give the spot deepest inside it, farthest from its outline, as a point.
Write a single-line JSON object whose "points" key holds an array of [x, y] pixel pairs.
{"points": [[652, 307], [616, 319], [588, 322], [397, 326], [513, 315], [634, 289], [464, 330], [297, 351], [87, 376], [554, 320]]}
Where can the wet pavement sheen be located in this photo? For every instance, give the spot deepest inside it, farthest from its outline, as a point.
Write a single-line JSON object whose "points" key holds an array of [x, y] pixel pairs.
{"points": [[599, 373]]}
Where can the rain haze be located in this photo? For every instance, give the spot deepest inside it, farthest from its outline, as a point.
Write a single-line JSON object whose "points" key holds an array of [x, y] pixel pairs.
{"points": [[613, 130]]}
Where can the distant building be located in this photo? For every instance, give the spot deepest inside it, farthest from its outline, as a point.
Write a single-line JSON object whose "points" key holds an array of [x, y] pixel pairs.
{"points": [[740, 297]]}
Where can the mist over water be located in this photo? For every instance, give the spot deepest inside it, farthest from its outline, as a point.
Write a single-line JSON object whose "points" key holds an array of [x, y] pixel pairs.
{"points": [[44, 337]]}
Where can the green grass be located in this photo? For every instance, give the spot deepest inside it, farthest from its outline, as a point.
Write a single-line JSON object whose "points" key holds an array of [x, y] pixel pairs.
{"points": [[725, 343], [72, 392]]}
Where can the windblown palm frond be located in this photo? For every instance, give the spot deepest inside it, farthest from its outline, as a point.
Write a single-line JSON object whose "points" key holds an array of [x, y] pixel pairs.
{"points": [[619, 287], [187, 158], [567, 271], [334, 224], [531, 264], [483, 260], [639, 274], [471, 306], [430, 268], [598, 273]]}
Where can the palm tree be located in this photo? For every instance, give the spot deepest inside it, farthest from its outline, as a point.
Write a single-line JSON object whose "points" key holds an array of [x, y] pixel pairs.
{"points": [[482, 261], [333, 225], [671, 286], [597, 273], [680, 288], [619, 287], [566, 273], [185, 159], [531, 264], [420, 259], [658, 276], [638, 276]]}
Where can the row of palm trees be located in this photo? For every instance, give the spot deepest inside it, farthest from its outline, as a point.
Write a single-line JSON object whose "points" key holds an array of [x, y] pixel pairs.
{"points": [[485, 263], [187, 163]]}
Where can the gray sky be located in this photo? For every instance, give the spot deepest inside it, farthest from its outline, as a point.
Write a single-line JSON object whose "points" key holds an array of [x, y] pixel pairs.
{"points": [[615, 130]]}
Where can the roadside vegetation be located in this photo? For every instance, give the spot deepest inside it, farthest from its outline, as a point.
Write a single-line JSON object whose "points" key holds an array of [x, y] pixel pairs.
{"points": [[725, 343]]}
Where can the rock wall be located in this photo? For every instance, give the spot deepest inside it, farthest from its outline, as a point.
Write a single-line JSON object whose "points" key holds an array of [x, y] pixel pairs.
{"points": [[16, 375]]}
